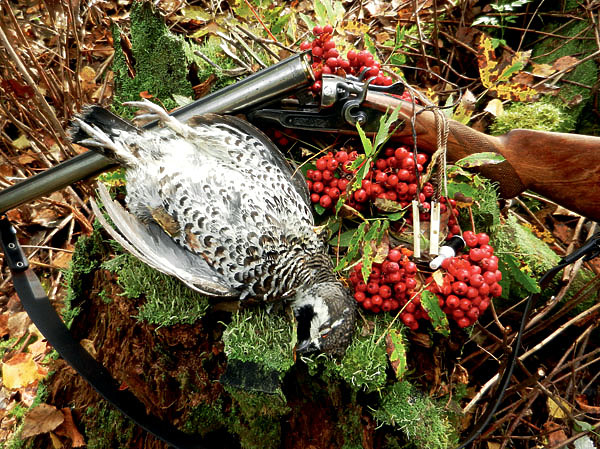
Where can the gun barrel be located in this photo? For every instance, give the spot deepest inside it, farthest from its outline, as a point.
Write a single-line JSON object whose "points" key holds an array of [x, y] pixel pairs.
{"points": [[275, 81]]}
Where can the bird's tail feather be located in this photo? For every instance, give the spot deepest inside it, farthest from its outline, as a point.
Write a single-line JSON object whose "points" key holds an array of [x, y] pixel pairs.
{"points": [[151, 245]]}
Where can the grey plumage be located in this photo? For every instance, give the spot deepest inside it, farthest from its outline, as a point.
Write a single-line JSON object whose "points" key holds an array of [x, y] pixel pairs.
{"points": [[214, 203]]}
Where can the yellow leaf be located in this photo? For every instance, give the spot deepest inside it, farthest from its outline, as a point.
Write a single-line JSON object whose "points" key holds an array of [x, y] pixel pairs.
{"points": [[22, 142], [196, 13], [555, 411], [20, 371], [353, 27], [438, 277], [542, 69], [495, 107]]}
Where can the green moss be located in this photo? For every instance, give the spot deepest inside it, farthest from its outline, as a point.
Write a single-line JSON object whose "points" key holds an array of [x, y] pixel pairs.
{"points": [[486, 212], [586, 73], [88, 254], [168, 301], [106, 428], [423, 422], [206, 418], [542, 115], [258, 418], [261, 337], [159, 60]]}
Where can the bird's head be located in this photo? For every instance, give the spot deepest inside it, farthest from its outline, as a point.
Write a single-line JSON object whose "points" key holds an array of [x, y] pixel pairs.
{"points": [[325, 313]]}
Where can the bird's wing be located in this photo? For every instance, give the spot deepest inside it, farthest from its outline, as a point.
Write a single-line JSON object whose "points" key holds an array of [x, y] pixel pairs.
{"points": [[150, 244], [276, 157]]}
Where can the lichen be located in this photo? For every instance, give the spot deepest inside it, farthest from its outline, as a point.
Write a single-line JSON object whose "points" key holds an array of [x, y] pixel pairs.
{"points": [[264, 338], [541, 115], [486, 213], [423, 422]]}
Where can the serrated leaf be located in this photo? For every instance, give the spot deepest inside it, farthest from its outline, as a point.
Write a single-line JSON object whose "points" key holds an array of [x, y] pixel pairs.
{"points": [[396, 216], [383, 133], [512, 268], [396, 351], [353, 247], [479, 159], [439, 320], [364, 140], [398, 59]]}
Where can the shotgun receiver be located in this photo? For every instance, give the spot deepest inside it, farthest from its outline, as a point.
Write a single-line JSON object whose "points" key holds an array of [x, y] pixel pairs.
{"points": [[565, 168]]}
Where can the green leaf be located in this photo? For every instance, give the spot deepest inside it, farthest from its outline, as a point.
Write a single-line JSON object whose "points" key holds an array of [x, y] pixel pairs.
{"points": [[320, 12], [439, 320], [353, 247], [582, 426], [512, 268], [479, 159], [344, 239], [319, 209], [383, 133], [364, 140], [396, 351], [397, 216], [371, 46], [308, 21], [510, 71], [398, 59]]}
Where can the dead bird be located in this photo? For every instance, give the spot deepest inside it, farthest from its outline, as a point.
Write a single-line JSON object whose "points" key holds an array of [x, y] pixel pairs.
{"points": [[215, 203]]}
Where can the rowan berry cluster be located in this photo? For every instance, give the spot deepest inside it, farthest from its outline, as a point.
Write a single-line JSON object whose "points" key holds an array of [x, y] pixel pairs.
{"points": [[391, 177], [470, 281], [327, 60], [391, 285]]}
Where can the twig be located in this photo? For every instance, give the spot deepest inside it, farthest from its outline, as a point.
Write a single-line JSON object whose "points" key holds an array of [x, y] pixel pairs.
{"points": [[259, 20], [490, 383]]}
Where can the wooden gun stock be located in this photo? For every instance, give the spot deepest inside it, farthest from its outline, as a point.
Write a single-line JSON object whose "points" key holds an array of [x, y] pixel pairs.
{"points": [[564, 168]]}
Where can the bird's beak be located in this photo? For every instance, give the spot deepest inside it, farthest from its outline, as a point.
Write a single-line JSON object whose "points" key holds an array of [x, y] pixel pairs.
{"points": [[305, 346]]}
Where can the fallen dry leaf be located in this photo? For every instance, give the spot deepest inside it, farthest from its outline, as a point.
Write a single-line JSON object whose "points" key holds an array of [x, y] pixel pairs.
{"points": [[41, 419], [555, 410], [542, 69], [20, 371], [4, 325], [556, 434], [18, 324], [495, 107], [582, 402], [38, 348], [564, 63], [69, 430]]}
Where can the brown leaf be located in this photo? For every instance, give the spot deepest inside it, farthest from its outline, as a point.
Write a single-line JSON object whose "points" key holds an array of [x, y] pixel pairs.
{"points": [[41, 419], [62, 259], [202, 89], [38, 348], [69, 430], [542, 69], [582, 402], [564, 63], [4, 325], [523, 78], [18, 324], [556, 434]]}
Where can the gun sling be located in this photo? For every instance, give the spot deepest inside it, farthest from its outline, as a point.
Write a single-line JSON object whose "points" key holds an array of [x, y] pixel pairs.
{"points": [[38, 307]]}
